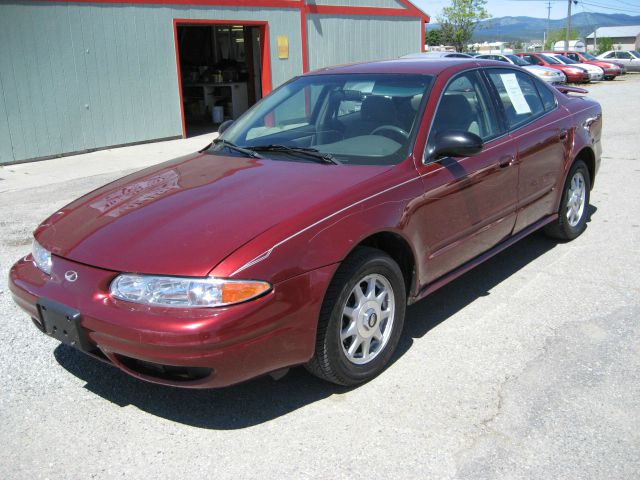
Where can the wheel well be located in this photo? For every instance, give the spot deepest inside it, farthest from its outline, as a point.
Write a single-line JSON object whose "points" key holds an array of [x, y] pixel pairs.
{"points": [[397, 248], [587, 156]]}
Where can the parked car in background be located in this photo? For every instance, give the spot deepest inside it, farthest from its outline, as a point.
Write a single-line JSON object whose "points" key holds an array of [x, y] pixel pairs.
{"points": [[595, 73], [300, 235], [611, 69], [437, 55], [574, 73], [629, 58], [546, 74]]}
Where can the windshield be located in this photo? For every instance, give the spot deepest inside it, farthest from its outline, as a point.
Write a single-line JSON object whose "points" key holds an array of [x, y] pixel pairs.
{"points": [[551, 60], [363, 119], [566, 60], [588, 56], [634, 53], [518, 60]]}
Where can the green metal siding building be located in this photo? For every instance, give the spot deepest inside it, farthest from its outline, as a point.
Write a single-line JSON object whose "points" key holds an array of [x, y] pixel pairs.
{"points": [[80, 76]]}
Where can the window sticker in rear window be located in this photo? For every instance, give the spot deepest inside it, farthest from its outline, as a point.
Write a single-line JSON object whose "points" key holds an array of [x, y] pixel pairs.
{"points": [[514, 91]]}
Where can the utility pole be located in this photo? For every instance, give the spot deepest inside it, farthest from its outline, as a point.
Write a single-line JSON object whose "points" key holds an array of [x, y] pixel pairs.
{"points": [[568, 36], [546, 37]]}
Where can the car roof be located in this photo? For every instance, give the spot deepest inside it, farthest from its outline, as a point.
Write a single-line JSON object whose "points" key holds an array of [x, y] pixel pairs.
{"points": [[437, 55], [432, 66]]}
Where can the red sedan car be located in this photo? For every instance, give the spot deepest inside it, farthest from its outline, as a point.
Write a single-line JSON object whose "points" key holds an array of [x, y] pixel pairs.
{"points": [[574, 74], [301, 234], [611, 69]]}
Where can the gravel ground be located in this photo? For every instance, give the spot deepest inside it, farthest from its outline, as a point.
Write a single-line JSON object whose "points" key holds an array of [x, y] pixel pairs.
{"points": [[527, 367]]}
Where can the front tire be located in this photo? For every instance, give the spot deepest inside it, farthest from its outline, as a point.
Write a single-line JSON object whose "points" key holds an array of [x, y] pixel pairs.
{"points": [[361, 319], [572, 216]]}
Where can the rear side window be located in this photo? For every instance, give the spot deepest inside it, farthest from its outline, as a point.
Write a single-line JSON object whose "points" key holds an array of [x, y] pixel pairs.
{"points": [[519, 96], [573, 56], [548, 98]]}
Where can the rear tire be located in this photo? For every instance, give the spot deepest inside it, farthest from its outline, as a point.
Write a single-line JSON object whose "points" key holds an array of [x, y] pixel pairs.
{"points": [[572, 216], [360, 320]]}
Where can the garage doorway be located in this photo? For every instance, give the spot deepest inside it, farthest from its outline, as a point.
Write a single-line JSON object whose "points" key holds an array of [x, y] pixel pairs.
{"points": [[223, 69]]}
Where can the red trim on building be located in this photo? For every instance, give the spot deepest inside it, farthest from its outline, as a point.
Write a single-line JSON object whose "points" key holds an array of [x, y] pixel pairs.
{"points": [[343, 10], [264, 42], [303, 37], [410, 11], [230, 3]]}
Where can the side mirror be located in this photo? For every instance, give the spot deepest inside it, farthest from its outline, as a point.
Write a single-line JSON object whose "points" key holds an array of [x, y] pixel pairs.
{"points": [[456, 143], [224, 125]]}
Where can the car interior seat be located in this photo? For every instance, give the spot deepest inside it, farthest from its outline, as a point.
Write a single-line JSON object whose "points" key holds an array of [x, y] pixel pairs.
{"points": [[455, 113]]}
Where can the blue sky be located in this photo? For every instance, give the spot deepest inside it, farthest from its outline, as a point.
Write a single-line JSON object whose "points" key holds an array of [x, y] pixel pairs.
{"points": [[538, 8]]}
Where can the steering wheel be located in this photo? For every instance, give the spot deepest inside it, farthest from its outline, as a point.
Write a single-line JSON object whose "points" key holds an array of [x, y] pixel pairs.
{"points": [[391, 128]]}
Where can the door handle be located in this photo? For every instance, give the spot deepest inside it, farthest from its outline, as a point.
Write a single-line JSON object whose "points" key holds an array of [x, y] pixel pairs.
{"points": [[506, 161], [563, 134]]}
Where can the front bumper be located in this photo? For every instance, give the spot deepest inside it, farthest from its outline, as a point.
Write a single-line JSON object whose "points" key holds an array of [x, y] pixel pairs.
{"points": [[223, 346], [553, 80]]}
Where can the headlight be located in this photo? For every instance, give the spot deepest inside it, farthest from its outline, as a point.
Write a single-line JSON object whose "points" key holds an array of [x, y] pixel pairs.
{"points": [[41, 257], [575, 70], [185, 292]]}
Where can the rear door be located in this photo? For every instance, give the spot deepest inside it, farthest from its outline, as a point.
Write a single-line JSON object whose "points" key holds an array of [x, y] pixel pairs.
{"points": [[540, 130], [469, 203]]}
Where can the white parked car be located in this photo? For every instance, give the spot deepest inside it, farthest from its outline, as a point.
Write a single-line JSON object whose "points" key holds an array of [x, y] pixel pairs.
{"points": [[629, 58], [595, 72], [546, 74]]}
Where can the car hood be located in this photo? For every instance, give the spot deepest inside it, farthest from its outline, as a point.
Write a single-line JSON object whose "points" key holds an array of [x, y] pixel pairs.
{"points": [[601, 64], [540, 68], [185, 216], [590, 67]]}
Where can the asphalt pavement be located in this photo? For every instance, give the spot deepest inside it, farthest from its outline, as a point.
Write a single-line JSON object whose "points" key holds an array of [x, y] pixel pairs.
{"points": [[526, 367]]}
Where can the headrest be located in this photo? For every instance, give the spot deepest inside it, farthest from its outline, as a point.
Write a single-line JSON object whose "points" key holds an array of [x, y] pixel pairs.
{"points": [[378, 109]]}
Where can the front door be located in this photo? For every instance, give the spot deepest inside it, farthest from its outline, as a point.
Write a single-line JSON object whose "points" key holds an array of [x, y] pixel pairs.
{"points": [[469, 204]]}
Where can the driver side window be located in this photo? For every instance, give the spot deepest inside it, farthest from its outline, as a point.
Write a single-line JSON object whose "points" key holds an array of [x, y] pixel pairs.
{"points": [[465, 105]]}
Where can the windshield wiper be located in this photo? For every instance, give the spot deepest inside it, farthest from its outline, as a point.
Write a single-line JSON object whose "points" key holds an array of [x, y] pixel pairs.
{"points": [[310, 152], [233, 146]]}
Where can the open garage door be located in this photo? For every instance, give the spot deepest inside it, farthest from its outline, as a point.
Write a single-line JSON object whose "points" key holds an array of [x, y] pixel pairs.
{"points": [[223, 70]]}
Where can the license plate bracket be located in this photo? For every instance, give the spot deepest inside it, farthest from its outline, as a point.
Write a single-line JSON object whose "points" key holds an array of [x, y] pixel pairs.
{"points": [[62, 323]]}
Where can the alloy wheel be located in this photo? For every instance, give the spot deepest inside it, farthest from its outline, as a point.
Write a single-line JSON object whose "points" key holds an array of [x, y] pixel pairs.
{"points": [[577, 195], [367, 319]]}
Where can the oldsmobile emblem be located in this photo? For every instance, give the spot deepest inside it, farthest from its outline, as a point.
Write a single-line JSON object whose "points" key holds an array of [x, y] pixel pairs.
{"points": [[71, 276]]}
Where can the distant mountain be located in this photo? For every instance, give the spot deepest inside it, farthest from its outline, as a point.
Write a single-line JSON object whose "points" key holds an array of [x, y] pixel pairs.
{"points": [[531, 28]]}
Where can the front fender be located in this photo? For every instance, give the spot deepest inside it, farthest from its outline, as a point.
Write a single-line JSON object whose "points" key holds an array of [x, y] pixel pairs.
{"points": [[327, 238]]}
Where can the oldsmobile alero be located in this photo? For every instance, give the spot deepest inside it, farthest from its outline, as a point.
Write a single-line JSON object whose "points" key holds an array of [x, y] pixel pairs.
{"points": [[299, 236]]}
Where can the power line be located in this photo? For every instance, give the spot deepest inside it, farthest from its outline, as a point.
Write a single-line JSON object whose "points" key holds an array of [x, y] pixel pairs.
{"points": [[625, 10]]}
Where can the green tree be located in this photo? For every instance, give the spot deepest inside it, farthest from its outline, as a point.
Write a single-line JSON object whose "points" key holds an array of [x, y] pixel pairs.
{"points": [[433, 37], [604, 44], [459, 20], [559, 35], [516, 46]]}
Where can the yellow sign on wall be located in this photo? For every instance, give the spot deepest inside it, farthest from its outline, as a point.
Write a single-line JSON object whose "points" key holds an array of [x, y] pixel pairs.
{"points": [[283, 46]]}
